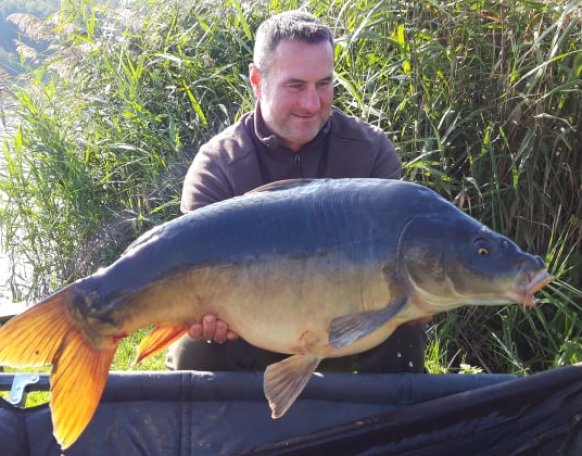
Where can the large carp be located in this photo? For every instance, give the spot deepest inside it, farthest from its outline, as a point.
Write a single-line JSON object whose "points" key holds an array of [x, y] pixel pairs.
{"points": [[316, 269]]}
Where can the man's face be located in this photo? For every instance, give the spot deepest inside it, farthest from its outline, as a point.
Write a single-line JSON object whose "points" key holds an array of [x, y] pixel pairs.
{"points": [[296, 93]]}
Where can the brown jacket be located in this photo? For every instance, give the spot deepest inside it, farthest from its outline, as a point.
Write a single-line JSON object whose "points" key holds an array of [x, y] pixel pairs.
{"points": [[246, 155]]}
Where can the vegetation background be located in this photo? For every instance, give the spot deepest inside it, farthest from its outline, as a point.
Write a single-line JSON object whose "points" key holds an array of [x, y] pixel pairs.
{"points": [[9, 34], [483, 98]]}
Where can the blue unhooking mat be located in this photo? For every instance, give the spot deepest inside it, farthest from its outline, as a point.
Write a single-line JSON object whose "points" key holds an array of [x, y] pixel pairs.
{"points": [[198, 413]]}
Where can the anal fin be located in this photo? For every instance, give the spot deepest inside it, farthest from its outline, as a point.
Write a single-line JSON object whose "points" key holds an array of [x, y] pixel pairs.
{"points": [[79, 373], [157, 340], [347, 329], [285, 380]]}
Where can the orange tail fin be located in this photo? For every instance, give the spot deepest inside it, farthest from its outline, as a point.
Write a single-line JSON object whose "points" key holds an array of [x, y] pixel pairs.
{"points": [[157, 340], [34, 337], [44, 334], [79, 371]]}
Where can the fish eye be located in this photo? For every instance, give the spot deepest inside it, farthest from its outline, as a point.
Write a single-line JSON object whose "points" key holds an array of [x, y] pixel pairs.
{"points": [[482, 247]]}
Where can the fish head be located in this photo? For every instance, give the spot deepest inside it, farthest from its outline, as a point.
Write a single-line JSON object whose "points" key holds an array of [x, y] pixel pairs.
{"points": [[454, 261]]}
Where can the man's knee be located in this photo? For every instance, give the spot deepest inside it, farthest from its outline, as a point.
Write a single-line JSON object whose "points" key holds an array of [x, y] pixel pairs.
{"points": [[237, 355], [190, 354]]}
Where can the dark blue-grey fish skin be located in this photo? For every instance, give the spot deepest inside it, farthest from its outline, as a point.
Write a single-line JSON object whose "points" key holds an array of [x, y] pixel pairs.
{"points": [[405, 227], [362, 218]]}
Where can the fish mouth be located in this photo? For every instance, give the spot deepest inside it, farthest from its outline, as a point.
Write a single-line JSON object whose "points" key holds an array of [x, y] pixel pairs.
{"points": [[534, 283]]}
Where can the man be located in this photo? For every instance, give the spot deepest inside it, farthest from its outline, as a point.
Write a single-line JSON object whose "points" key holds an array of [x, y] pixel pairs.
{"points": [[294, 132]]}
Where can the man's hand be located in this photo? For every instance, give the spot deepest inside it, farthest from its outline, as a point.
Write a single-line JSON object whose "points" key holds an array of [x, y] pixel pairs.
{"points": [[212, 329]]}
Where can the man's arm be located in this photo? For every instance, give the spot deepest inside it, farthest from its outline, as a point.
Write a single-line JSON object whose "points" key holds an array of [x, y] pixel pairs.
{"points": [[206, 182], [387, 165]]}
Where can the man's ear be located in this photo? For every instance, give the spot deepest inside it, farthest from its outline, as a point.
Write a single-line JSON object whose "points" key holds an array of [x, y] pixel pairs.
{"points": [[255, 78]]}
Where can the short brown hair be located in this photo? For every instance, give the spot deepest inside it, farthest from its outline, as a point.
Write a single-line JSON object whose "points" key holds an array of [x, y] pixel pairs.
{"points": [[290, 25]]}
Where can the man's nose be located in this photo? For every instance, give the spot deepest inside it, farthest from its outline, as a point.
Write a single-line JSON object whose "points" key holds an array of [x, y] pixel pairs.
{"points": [[310, 100]]}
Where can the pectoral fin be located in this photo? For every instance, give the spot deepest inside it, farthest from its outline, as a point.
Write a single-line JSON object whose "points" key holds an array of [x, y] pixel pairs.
{"points": [[285, 380], [347, 329]]}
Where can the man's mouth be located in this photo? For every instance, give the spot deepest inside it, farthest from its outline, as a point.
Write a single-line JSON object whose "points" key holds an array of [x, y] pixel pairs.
{"points": [[305, 116]]}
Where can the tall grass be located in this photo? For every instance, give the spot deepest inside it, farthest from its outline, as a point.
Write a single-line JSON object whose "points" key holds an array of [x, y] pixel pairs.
{"points": [[482, 98]]}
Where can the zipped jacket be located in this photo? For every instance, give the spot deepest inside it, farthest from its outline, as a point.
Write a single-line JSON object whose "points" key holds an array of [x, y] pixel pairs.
{"points": [[247, 155]]}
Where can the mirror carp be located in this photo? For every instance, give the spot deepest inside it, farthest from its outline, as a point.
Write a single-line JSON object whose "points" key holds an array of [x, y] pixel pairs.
{"points": [[313, 268]]}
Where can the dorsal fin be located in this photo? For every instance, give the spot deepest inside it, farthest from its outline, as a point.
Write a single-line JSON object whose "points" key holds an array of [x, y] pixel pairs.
{"points": [[282, 185]]}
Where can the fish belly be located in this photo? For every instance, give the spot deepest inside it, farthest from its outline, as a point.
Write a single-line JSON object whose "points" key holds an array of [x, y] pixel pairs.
{"points": [[282, 304], [286, 305]]}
